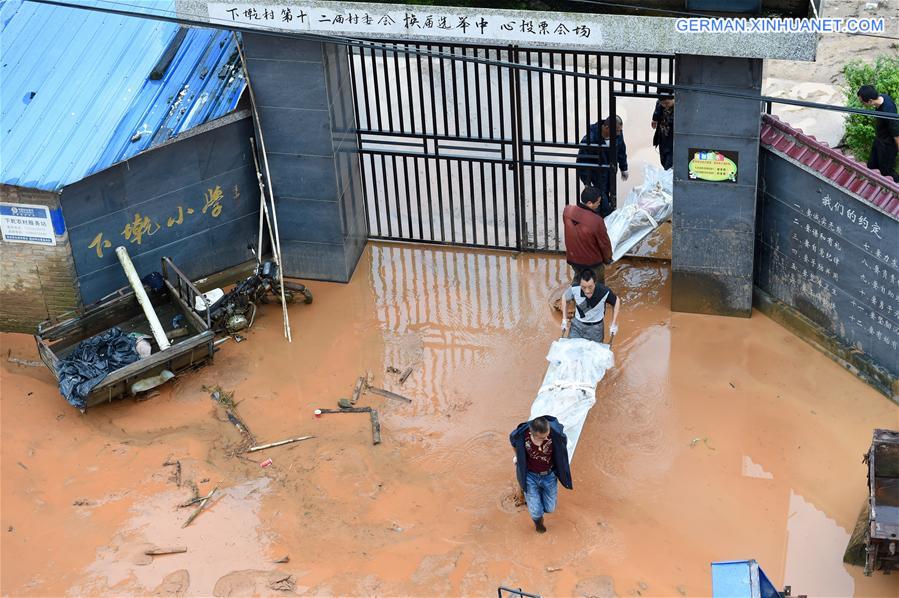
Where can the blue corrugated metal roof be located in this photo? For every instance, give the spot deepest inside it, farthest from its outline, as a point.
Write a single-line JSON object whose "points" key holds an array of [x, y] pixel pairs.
{"points": [[76, 95]]}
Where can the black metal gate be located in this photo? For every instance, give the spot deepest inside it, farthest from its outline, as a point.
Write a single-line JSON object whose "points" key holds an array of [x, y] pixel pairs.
{"points": [[466, 153]]}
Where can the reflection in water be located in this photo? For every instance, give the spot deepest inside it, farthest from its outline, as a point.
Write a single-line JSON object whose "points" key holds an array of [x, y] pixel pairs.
{"points": [[814, 556], [443, 308]]}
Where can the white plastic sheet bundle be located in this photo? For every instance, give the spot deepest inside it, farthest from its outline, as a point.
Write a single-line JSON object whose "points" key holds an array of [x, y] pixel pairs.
{"points": [[568, 391], [645, 208]]}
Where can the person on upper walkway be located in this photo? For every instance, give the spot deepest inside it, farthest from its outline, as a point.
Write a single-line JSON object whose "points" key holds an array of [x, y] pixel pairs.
{"points": [[886, 132]]}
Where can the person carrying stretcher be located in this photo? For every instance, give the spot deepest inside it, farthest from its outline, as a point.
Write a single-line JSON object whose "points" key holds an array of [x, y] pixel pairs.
{"points": [[590, 299]]}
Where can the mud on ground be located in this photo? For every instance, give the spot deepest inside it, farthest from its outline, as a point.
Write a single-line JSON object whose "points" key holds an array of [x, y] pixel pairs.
{"points": [[712, 439]]}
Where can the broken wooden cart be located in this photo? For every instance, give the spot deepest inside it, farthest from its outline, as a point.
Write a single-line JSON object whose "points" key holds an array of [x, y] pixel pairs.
{"points": [[57, 339]]}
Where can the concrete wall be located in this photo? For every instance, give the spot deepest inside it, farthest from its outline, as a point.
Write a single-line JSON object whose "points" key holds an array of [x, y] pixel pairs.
{"points": [[714, 222], [827, 269], [36, 281], [304, 96], [194, 199]]}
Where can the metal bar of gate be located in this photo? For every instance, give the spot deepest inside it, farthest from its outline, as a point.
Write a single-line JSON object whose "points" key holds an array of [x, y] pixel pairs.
{"points": [[613, 151], [541, 162]]}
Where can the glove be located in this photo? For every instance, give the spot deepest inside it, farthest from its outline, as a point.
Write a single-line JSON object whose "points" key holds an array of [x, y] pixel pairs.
{"points": [[564, 324], [624, 175], [613, 329]]}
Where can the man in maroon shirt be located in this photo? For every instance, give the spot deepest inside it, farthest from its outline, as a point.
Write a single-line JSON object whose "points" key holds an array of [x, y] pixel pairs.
{"points": [[541, 462], [587, 244]]}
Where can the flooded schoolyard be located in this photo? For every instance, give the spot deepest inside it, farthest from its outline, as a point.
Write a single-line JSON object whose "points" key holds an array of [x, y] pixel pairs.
{"points": [[712, 439]]}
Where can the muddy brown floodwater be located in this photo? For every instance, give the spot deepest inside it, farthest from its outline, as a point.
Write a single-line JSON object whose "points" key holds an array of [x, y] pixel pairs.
{"points": [[712, 439]]}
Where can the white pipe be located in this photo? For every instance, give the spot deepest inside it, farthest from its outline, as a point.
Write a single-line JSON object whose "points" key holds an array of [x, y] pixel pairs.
{"points": [[141, 294]]}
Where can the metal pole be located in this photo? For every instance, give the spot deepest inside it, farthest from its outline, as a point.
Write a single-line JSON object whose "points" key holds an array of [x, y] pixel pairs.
{"points": [[273, 223]]}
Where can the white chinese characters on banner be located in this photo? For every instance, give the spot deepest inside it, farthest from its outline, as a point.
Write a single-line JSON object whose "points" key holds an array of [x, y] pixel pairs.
{"points": [[364, 20], [20, 223]]}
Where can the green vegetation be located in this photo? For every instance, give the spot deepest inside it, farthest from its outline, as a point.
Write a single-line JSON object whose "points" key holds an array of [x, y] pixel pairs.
{"points": [[882, 74]]}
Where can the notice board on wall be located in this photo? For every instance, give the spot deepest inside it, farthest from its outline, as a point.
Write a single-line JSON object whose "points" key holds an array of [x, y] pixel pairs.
{"points": [[832, 257]]}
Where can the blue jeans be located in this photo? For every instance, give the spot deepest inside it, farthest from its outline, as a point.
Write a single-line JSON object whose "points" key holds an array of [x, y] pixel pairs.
{"points": [[541, 494]]}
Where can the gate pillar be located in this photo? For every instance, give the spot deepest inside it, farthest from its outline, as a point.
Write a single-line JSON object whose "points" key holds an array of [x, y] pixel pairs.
{"points": [[713, 235], [304, 95]]}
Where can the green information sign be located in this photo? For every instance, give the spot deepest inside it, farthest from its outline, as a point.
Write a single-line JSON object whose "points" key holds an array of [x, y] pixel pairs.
{"points": [[717, 166]]}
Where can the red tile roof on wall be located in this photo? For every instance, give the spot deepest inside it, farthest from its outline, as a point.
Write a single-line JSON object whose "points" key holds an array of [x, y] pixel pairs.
{"points": [[844, 171]]}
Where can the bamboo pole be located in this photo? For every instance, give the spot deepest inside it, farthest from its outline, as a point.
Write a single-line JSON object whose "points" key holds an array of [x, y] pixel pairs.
{"points": [[200, 508], [273, 223], [263, 205], [279, 443]]}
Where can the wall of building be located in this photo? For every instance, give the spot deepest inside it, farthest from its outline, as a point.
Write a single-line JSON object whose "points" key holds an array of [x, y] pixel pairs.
{"points": [[36, 281], [714, 222], [304, 96], [826, 267], [194, 199]]}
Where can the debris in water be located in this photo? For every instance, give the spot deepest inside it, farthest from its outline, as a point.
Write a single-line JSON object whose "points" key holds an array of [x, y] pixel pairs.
{"points": [[392, 370], [283, 559], [388, 394], [22, 465], [168, 550], [28, 363], [265, 463], [406, 374], [704, 440], [253, 449], [373, 414], [176, 475], [358, 389], [200, 508], [283, 584], [681, 590], [553, 569], [223, 397]]}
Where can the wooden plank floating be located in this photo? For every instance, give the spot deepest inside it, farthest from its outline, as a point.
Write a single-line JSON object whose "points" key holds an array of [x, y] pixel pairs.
{"points": [[388, 394]]}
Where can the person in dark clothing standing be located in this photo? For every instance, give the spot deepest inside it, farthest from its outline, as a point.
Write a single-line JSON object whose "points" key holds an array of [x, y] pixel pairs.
{"points": [[541, 462], [663, 123], [595, 152], [587, 244], [886, 132]]}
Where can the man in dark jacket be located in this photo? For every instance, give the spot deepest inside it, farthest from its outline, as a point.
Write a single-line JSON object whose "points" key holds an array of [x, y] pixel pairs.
{"points": [[541, 459], [587, 244], [595, 152], [663, 123], [886, 132]]}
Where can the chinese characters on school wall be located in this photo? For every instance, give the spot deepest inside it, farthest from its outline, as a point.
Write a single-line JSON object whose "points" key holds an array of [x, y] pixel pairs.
{"points": [[817, 251], [141, 226], [411, 21]]}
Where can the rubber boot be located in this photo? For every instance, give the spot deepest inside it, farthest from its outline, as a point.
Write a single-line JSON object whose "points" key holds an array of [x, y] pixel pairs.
{"points": [[538, 524]]}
